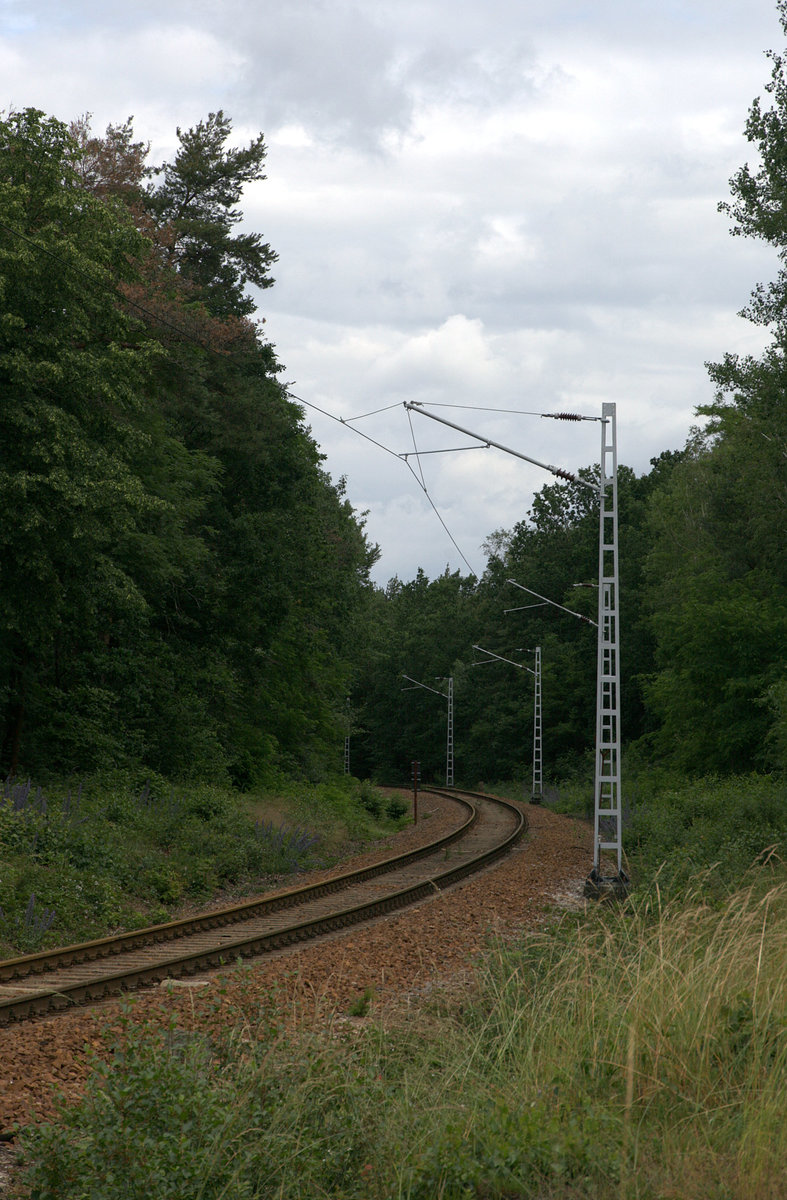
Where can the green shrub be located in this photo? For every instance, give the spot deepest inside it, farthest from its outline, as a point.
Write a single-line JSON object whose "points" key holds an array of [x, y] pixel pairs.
{"points": [[518, 1151], [396, 808], [168, 1116], [154, 1122], [370, 799], [100, 855], [163, 883], [373, 806], [682, 828], [97, 857]]}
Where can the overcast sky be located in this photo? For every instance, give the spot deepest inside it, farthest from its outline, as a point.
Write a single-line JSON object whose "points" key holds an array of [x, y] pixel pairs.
{"points": [[500, 204]]}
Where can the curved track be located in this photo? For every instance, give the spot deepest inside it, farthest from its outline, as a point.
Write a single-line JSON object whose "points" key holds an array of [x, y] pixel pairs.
{"points": [[91, 971]]}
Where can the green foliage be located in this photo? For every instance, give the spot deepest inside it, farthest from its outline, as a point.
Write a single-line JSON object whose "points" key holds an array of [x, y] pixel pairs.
{"points": [[183, 583], [519, 1151], [371, 802], [113, 857], [758, 205], [420, 629], [197, 199], [776, 698], [717, 607], [679, 829], [396, 808], [273, 1118], [359, 1007], [716, 568], [155, 1117], [120, 853], [73, 374]]}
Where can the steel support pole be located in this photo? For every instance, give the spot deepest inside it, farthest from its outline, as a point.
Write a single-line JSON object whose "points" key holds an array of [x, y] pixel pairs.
{"points": [[449, 751], [538, 792], [607, 817]]}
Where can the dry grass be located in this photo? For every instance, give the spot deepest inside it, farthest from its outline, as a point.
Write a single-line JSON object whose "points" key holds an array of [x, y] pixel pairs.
{"points": [[670, 1021]]}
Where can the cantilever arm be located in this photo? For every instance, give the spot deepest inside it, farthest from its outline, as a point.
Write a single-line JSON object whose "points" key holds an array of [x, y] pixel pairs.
{"points": [[562, 608], [500, 658], [411, 404]]}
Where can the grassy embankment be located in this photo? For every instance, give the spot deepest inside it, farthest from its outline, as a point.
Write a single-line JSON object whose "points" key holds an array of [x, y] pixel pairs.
{"points": [[77, 863], [632, 1052]]}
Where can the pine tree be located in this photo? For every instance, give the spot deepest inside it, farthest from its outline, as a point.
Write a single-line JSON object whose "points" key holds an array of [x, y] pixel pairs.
{"points": [[195, 210]]}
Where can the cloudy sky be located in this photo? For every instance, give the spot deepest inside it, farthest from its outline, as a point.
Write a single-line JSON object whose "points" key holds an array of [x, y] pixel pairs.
{"points": [[494, 204]]}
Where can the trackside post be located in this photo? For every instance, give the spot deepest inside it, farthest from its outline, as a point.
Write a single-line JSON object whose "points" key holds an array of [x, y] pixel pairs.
{"points": [[415, 768]]}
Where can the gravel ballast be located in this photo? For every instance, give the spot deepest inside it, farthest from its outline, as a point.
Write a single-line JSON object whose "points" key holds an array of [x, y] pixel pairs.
{"points": [[400, 959]]}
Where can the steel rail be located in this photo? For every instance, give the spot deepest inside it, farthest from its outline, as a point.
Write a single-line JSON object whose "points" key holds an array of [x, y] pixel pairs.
{"points": [[38, 1000], [48, 960]]}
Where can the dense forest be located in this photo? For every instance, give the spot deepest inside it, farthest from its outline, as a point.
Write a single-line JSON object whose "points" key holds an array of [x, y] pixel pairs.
{"points": [[186, 591], [181, 579]]}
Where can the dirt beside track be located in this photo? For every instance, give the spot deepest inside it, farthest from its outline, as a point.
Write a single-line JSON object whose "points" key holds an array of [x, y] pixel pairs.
{"points": [[401, 958]]}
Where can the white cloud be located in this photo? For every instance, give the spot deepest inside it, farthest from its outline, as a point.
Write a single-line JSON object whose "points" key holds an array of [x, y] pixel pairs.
{"points": [[505, 203]]}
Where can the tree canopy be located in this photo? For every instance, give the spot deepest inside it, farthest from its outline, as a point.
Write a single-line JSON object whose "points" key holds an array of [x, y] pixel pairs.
{"points": [[180, 575], [184, 589]]}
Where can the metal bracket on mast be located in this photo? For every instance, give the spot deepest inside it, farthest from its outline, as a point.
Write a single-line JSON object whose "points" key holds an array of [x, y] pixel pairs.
{"points": [[487, 442]]}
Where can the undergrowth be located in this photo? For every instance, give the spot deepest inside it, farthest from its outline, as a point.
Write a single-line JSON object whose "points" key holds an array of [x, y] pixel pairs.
{"points": [[635, 1053], [80, 862], [630, 1052]]}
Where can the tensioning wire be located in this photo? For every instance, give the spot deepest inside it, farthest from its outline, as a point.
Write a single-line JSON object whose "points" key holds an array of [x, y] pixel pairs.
{"points": [[421, 482], [373, 413], [514, 412]]}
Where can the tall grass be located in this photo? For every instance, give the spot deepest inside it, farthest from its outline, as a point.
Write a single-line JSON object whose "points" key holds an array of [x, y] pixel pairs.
{"points": [[651, 1043], [630, 1053]]}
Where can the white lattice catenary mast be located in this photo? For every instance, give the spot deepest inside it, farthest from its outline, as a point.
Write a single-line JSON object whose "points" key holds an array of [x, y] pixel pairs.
{"points": [[537, 791], [607, 831], [449, 741], [607, 790]]}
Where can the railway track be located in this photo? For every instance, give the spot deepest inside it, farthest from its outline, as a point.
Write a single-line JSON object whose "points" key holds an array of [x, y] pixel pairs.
{"points": [[55, 980]]}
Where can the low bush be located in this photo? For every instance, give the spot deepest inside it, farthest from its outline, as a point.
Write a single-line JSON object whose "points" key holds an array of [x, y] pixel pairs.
{"points": [[104, 856], [156, 1121], [396, 809], [679, 828]]}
